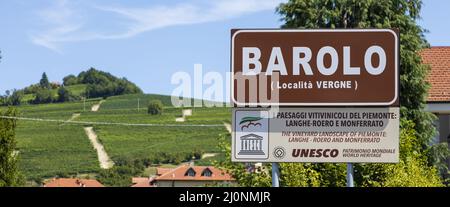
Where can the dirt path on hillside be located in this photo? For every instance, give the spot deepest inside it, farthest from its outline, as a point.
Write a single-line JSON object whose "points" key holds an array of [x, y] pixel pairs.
{"points": [[96, 107], [180, 119], [185, 113], [74, 116], [103, 158], [227, 126], [206, 155]]}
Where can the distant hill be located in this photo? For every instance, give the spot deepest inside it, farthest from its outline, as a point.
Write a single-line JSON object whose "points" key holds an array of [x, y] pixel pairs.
{"points": [[89, 84], [102, 84]]}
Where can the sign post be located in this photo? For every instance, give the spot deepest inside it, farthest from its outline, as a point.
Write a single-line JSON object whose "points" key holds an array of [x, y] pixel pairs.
{"points": [[275, 175], [333, 96], [349, 175]]}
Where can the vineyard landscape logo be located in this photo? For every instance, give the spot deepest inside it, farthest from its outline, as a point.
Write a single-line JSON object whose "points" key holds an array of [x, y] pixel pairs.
{"points": [[251, 134]]}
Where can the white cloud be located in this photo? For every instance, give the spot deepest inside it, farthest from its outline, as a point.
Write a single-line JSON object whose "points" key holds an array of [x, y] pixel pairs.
{"points": [[66, 24]]}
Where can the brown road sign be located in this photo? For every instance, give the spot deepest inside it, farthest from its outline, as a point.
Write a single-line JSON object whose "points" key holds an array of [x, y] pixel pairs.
{"points": [[339, 67]]}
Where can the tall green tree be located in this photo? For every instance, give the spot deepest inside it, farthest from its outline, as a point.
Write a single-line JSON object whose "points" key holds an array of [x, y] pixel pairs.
{"points": [[16, 98], [9, 172], [43, 96], [401, 14], [64, 94], [44, 83], [415, 167], [70, 80]]}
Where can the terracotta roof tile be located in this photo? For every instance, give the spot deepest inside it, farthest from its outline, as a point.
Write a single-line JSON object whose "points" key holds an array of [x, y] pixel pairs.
{"points": [[180, 173], [72, 182], [142, 182], [439, 77], [162, 170]]}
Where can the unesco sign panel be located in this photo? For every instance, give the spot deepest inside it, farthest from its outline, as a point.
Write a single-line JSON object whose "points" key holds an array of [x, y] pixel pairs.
{"points": [[357, 135]]}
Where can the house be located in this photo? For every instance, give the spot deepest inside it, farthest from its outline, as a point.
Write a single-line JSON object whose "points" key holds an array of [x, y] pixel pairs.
{"points": [[188, 176], [162, 170], [72, 182], [438, 101], [142, 182]]}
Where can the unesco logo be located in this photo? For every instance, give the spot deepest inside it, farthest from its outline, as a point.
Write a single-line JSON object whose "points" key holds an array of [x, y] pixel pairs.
{"points": [[279, 152]]}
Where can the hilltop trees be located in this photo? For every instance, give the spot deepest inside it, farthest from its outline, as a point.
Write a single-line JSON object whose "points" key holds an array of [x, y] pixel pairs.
{"points": [[44, 83], [102, 84], [43, 96], [64, 94], [70, 80], [98, 84], [15, 98], [9, 173]]}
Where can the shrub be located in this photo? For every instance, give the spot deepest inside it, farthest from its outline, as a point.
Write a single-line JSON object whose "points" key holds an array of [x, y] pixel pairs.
{"points": [[64, 94], [43, 96], [155, 107], [120, 175]]}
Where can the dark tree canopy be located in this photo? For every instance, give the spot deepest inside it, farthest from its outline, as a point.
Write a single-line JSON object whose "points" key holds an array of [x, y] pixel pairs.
{"points": [[44, 83], [43, 96], [70, 80], [401, 14], [103, 84], [64, 94]]}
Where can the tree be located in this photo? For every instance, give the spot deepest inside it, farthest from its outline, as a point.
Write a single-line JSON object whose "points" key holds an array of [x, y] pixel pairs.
{"points": [[13, 99], [44, 83], [43, 96], [102, 84], [415, 168], [155, 107], [16, 98], [64, 94], [70, 80], [9, 173], [401, 14]]}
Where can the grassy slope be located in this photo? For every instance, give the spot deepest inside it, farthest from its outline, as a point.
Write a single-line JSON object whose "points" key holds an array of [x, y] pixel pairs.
{"points": [[77, 90], [47, 149], [143, 142]]}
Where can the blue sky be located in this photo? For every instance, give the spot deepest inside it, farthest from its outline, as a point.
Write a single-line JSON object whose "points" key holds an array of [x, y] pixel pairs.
{"points": [[144, 41]]}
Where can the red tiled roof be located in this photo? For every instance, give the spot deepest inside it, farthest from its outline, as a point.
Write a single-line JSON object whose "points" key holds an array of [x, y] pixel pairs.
{"points": [[180, 172], [162, 170], [439, 77], [142, 182], [72, 182]]}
